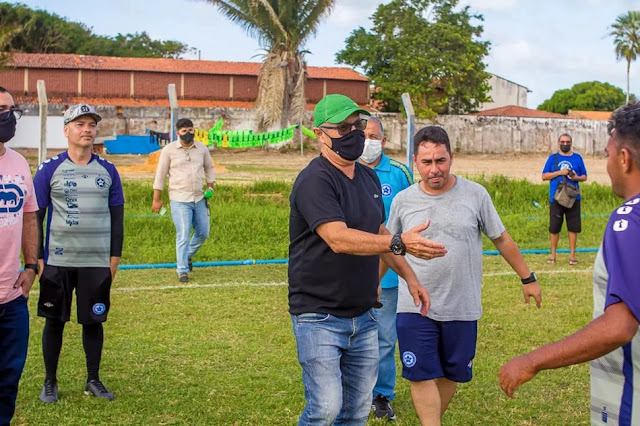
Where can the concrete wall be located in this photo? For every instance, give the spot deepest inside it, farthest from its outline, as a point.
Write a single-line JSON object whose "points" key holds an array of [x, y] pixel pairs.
{"points": [[469, 134], [505, 92], [473, 134]]}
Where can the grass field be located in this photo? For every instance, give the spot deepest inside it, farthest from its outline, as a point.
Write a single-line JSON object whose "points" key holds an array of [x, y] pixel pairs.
{"points": [[220, 351]]}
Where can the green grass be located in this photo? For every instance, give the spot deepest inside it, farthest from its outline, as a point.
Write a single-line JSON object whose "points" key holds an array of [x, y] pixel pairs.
{"points": [[251, 221], [225, 355], [222, 352]]}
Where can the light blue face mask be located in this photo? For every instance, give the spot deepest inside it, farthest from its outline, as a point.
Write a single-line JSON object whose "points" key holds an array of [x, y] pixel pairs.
{"points": [[372, 150]]}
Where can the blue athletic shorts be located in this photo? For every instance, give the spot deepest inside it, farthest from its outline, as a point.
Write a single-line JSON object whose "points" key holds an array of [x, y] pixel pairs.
{"points": [[430, 349]]}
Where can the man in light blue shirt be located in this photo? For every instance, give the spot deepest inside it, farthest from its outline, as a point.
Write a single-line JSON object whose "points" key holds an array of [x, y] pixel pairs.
{"points": [[394, 177]]}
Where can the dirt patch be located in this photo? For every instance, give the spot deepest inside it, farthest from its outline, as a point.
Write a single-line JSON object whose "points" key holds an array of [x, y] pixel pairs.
{"points": [[246, 166]]}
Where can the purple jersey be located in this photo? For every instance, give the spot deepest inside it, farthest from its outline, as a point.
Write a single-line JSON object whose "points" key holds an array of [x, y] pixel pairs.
{"points": [[615, 377]]}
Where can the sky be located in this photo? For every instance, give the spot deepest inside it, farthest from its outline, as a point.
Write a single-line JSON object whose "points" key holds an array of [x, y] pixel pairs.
{"points": [[544, 45]]}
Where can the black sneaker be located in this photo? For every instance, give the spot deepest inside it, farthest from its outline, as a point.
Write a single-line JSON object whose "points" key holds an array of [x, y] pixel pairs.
{"points": [[96, 388], [49, 391], [190, 264], [382, 409], [184, 278]]}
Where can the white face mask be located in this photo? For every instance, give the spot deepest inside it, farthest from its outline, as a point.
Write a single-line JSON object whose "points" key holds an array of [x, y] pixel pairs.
{"points": [[372, 150]]}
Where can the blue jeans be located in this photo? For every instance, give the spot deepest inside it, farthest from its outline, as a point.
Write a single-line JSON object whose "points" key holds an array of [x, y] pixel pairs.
{"points": [[387, 338], [14, 340], [339, 359], [186, 215]]}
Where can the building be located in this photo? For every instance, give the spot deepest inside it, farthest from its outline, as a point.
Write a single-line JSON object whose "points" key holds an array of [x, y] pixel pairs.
{"points": [[505, 92], [589, 115], [517, 111], [104, 80]]}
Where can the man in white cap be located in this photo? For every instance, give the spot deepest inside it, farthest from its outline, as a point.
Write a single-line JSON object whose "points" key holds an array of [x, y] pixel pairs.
{"points": [[83, 197]]}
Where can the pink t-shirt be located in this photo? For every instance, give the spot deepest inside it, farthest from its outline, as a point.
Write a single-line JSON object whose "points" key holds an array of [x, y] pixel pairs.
{"points": [[16, 197]]}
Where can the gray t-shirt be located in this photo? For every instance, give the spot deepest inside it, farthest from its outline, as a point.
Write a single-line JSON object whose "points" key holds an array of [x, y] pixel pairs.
{"points": [[457, 219]]}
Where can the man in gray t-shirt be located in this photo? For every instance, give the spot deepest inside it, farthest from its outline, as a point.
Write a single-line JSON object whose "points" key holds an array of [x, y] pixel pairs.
{"points": [[437, 351]]}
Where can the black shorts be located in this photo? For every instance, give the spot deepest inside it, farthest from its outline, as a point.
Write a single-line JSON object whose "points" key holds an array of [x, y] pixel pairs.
{"points": [[92, 285], [557, 214]]}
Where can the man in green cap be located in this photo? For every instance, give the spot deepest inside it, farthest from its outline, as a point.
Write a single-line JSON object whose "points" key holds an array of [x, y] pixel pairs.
{"points": [[337, 238]]}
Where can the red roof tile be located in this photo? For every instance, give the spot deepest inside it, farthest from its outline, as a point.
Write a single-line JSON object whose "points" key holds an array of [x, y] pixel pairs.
{"points": [[141, 102], [85, 62], [518, 111], [590, 115]]}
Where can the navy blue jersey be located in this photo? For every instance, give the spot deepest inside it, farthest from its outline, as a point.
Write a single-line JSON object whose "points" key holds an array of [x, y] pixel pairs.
{"points": [[77, 199]]}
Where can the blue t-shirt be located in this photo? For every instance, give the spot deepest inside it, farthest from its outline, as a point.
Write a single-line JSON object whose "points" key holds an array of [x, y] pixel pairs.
{"points": [[78, 198], [320, 280], [573, 162], [614, 385], [394, 177]]}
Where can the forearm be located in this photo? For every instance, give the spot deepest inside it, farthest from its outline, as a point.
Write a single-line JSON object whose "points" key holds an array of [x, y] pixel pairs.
{"points": [[30, 238], [551, 175], [599, 337], [114, 261], [117, 230], [40, 215], [353, 241], [157, 194], [400, 266], [510, 252]]}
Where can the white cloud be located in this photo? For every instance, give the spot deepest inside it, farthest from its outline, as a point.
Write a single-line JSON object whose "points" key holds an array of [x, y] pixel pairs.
{"points": [[497, 5]]}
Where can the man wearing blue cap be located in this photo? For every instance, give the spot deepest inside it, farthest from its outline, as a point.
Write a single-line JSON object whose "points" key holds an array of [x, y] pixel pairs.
{"points": [[337, 237], [82, 195]]}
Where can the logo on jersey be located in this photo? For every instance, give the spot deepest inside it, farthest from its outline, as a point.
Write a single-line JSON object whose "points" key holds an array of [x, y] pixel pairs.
{"points": [[386, 190], [564, 165], [11, 198], [59, 251], [99, 308], [101, 182], [409, 359], [48, 304], [620, 225], [624, 210], [633, 202]]}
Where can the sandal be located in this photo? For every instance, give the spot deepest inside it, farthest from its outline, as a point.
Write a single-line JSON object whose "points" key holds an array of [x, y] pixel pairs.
{"points": [[573, 261], [551, 260]]}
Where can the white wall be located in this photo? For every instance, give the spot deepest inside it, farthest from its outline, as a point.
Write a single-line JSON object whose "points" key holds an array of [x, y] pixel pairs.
{"points": [[28, 133], [505, 92]]}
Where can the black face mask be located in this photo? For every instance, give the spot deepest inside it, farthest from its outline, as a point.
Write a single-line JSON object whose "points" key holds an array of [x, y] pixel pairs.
{"points": [[7, 126], [565, 148], [350, 146], [187, 137]]}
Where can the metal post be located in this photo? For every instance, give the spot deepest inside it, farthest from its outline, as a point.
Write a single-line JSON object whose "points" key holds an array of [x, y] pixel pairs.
{"points": [[173, 104], [301, 140], [42, 100], [411, 119]]}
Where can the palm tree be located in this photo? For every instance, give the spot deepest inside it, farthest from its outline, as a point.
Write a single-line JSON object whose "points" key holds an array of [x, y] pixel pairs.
{"points": [[282, 27], [626, 37]]}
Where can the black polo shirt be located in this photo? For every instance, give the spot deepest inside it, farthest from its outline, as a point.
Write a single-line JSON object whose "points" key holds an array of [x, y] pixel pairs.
{"points": [[320, 280]]}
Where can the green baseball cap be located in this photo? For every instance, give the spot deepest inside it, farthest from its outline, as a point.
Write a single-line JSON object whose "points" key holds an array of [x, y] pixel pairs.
{"points": [[335, 109]]}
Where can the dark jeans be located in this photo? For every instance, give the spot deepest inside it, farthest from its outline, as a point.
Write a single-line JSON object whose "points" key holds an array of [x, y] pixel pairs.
{"points": [[14, 340]]}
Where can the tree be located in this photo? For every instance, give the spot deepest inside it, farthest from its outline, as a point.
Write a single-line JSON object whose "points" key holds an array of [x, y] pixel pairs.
{"points": [[38, 31], [282, 28], [626, 37], [427, 48], [587, 96]]}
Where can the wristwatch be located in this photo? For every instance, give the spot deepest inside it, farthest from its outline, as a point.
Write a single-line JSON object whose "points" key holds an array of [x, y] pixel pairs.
{"points": [[397, 247], [33, 266], [531, 278]]}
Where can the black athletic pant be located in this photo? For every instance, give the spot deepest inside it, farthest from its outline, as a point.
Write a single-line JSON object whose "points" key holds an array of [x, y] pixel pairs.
{"points": [[92, 340]]}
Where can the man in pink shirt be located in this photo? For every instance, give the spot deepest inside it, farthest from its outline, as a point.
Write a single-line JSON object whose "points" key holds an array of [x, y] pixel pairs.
{"points": [[17, 231]]}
